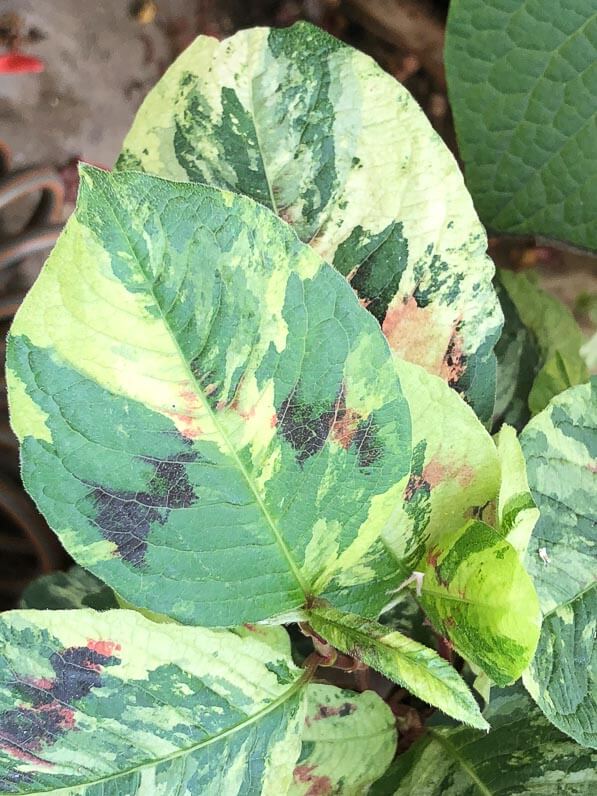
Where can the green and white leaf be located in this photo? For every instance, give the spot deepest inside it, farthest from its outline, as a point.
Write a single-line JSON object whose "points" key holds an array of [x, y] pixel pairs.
{"points": [[522, 78], [348, 742], [558, 337], [317, 132], [76, 588], [416, 667], [477, 593], [522, 754], [560, 446], [112, 703], [562, 679], [517, 513], [455, 466], [208, 419]]}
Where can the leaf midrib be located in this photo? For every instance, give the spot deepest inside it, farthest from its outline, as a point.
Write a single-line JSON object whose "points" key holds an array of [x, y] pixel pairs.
{"points": [[272, 706], [304, 587], [453, 752]]}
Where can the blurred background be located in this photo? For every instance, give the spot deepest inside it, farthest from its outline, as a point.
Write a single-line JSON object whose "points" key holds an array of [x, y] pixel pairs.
{"points": [[72, 75]]}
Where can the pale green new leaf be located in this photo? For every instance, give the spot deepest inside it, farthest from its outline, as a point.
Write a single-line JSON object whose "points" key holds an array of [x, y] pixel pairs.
{"points": [[348, 742], [76, 588], [317, 132], [517, 513], [521, 755], [208, 419], [562, 679], [477, 593], [455, 466], [557, 335], [111, 703], [560, 447], [416, 667], [522, 78]]}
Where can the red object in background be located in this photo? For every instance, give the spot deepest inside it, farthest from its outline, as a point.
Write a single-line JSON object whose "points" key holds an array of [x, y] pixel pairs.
{"points": [[17, 63]]}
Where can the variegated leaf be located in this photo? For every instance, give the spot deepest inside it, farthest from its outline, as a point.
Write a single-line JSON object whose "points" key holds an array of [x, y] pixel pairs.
{"points": [[348, 742], [317, 132], [416, 667], [560, 446], [76, 588], [477, 593], [562, 679], [521, 755], [455, 466], [208, 419], [111, 703], [517, 513]]}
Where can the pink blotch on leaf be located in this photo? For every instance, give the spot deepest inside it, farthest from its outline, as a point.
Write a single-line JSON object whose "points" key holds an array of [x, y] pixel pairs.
{"points": [[320, 786], [105, 648]]}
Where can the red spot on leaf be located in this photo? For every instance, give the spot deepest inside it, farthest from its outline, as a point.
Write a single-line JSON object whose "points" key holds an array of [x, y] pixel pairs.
{"points": [[14, 63], [432, 557], [320, 786], [326, 712], [105, 648]]}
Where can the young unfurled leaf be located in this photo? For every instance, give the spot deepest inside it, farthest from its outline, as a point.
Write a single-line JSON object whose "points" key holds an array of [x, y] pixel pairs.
{"points": [[523, 88], [454, 468], [517, 513], [208, 419], [111, 702], [416, 667], [558, 337], [76, 588], [560, 447], [348, 742], [522, 754], [477, 593], [317, 132]]}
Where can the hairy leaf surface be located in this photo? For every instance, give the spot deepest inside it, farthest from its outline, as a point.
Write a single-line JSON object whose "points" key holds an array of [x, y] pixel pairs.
{"points": [[348, 742], [477, 593], [110, 702], [522, 754], [416, 667], [317, 132], [522, 76], [560, 446], [208, 419]]}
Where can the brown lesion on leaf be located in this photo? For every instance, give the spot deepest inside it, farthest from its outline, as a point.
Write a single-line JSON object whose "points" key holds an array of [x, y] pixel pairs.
{"points": [[318, 786]]}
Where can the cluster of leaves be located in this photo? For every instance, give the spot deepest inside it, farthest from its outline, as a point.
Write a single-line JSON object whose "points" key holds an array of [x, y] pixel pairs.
{"points": [[251, 387]]}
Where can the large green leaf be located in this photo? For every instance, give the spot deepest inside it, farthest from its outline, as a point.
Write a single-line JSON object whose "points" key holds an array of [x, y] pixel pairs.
{"points": [[560, 446], [416, 667], [112, 703], [317, 132], [562, 679], [522, 76], [558, 338], [477, 593], [523, 754], [455, 466], [208, 419], [348, 742]]}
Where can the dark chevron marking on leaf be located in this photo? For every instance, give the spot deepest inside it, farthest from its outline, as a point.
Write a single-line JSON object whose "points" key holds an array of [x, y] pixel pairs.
{"points": [[27, 729], [318, 133], [305, 426], [125, 518], [367, 443]]}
